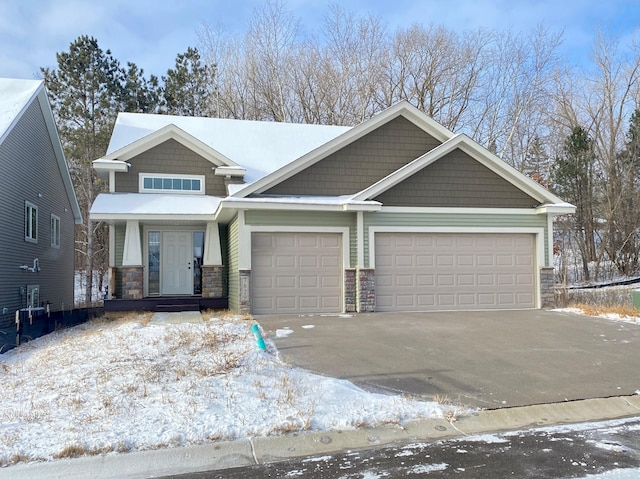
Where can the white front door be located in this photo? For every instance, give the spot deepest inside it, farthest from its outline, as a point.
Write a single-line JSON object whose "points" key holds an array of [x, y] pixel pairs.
{"points": [[177, 262]]}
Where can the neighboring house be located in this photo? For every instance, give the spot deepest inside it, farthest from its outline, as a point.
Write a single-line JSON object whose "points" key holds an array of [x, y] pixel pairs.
{"points": [[397, 213], [39, 205]]}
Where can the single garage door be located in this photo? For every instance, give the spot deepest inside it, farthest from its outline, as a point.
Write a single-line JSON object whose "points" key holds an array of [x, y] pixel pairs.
{"points": [[296, 273], [422, 272]]}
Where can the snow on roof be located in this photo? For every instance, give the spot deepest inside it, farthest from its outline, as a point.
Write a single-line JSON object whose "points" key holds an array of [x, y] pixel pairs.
{"points": [[143, 204], [14, 96], [259, 146]]}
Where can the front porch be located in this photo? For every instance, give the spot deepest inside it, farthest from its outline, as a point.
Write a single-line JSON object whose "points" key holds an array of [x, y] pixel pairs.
{"points": [[166, 304]]}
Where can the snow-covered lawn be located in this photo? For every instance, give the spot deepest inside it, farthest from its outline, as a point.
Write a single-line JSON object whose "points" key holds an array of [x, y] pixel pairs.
{"points": [[126, 385]]}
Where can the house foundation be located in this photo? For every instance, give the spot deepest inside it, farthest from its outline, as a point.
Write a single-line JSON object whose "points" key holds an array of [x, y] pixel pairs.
{"points": [[212, 282], [547, 288], [366, 290], [132, 282]]}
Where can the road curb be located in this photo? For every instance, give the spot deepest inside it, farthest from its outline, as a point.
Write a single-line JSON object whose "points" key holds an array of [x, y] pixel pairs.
{"points": [[223, 455]]}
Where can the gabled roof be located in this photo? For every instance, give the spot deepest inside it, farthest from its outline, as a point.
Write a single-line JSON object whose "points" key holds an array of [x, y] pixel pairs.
{"points": [[116, 160], [478, 153], [258, 146], [403, 108], [15, 98]]}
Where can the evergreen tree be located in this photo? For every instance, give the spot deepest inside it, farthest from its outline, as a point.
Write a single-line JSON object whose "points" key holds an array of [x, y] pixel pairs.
{"points": [[573, 180], [187, 86], [84, 91], [139, 95]]}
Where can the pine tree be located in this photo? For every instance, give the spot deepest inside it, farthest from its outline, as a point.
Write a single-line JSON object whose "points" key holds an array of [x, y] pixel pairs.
{"points": [[187, 86], [573, 180], [84, 92]]}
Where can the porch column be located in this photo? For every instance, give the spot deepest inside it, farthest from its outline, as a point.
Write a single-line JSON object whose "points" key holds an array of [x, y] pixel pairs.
{"points": [[212, 267], [132, 268]]}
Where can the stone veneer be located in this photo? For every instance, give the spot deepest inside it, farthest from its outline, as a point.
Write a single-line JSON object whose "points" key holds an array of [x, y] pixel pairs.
{"points": [[350, 290], [547, 288], [212, 282], [366, 290], [132, 282], [244, 291]]}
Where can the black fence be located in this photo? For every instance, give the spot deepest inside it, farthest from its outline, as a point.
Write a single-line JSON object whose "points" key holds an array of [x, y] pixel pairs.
{"points": [[37, 324]]}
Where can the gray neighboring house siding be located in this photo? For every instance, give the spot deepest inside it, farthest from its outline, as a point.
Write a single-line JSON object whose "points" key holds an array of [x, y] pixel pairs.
{"points": [[361, 163], [170, 157], [31, 173], [456, 180]]}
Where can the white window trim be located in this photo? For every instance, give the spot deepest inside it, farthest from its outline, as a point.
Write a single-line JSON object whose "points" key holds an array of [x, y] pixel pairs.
{"points": [[142, 176], [28, 227], [55, 231], [33, 295]]}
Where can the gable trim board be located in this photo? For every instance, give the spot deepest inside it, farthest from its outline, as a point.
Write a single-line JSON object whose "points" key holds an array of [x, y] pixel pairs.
{"points": [[117, 159], [403, 108]]}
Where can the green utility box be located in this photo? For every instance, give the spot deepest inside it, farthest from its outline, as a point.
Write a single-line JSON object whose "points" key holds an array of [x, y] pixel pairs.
{"points": [[636, 298]]}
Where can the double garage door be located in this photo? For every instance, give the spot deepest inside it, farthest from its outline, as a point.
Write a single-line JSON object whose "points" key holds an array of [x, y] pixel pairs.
{"points": [[303, 272], [440, 271], [296, 273]]}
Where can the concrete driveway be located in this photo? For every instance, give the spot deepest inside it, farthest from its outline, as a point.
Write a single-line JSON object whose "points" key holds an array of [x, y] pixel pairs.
{"points": [[490, 359]]}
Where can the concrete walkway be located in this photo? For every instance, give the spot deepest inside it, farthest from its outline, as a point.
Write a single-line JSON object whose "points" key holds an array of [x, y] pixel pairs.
{"points": [[491, 359], [177, 318]]}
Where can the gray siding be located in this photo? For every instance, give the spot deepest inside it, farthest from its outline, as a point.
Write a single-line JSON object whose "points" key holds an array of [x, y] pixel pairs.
{"points": [[120, 230], [170, 157], [456, 180], [30, 173], [361, 163]]}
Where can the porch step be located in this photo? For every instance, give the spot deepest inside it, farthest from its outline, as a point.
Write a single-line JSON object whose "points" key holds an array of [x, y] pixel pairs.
{"points": [[173, 308]]}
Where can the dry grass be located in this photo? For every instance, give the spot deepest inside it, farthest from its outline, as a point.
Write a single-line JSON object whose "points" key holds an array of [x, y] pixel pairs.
{"points": [[597, 310]]}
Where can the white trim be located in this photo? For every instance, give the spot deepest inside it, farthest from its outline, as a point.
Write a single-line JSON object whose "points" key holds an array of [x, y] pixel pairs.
{"points": [[168, 132], [56, 233], [132, 251], [212, 251], [244, 243], [119, 217], [459, 211], [403, 108], [549, 257], [112, 246], [556, 209], [344, 230], [112, 181], [169, 176], [229, 171], [146, 228], [538, 232], [360, 239], [479, 154], [28, 224]]}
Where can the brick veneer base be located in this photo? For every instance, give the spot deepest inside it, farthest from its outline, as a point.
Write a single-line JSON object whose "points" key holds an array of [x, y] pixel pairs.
{"points": [[132, 282], [212, 282]]}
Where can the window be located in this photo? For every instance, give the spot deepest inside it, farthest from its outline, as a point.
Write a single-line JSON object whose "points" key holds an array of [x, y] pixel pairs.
{"points": [[157, 183], [30, 222], [55, 231]]}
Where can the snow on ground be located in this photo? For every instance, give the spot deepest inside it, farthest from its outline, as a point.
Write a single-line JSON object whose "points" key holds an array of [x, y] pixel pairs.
{"points": [[610, 316], [126, 385]]}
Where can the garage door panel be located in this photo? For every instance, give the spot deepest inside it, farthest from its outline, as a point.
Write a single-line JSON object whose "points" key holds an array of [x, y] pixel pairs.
{"points": [[454, 271], [296, 272]]}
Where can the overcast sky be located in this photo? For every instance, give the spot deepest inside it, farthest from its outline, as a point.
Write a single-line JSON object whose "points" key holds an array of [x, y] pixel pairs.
{"points": [[151, 33]]}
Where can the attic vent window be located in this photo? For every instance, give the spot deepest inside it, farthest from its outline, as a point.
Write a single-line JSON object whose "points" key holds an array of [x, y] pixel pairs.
{"points": [[157, 183]]}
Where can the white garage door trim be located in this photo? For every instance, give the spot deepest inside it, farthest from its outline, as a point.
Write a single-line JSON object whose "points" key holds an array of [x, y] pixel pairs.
{"points": [[343, 234], [537, 232]]}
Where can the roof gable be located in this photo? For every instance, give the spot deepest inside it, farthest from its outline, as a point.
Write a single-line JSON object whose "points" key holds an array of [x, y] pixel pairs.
{"points": [[361, 163], [474, 152], [16, 96], [402, 109], [169, 132]]}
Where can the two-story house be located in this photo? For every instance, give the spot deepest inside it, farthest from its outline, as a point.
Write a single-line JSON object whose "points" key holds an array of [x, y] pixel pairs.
{"points": [[39, 205]]}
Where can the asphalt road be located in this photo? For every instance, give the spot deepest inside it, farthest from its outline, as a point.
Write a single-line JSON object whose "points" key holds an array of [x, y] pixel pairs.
{"points": [[551, 453]]}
